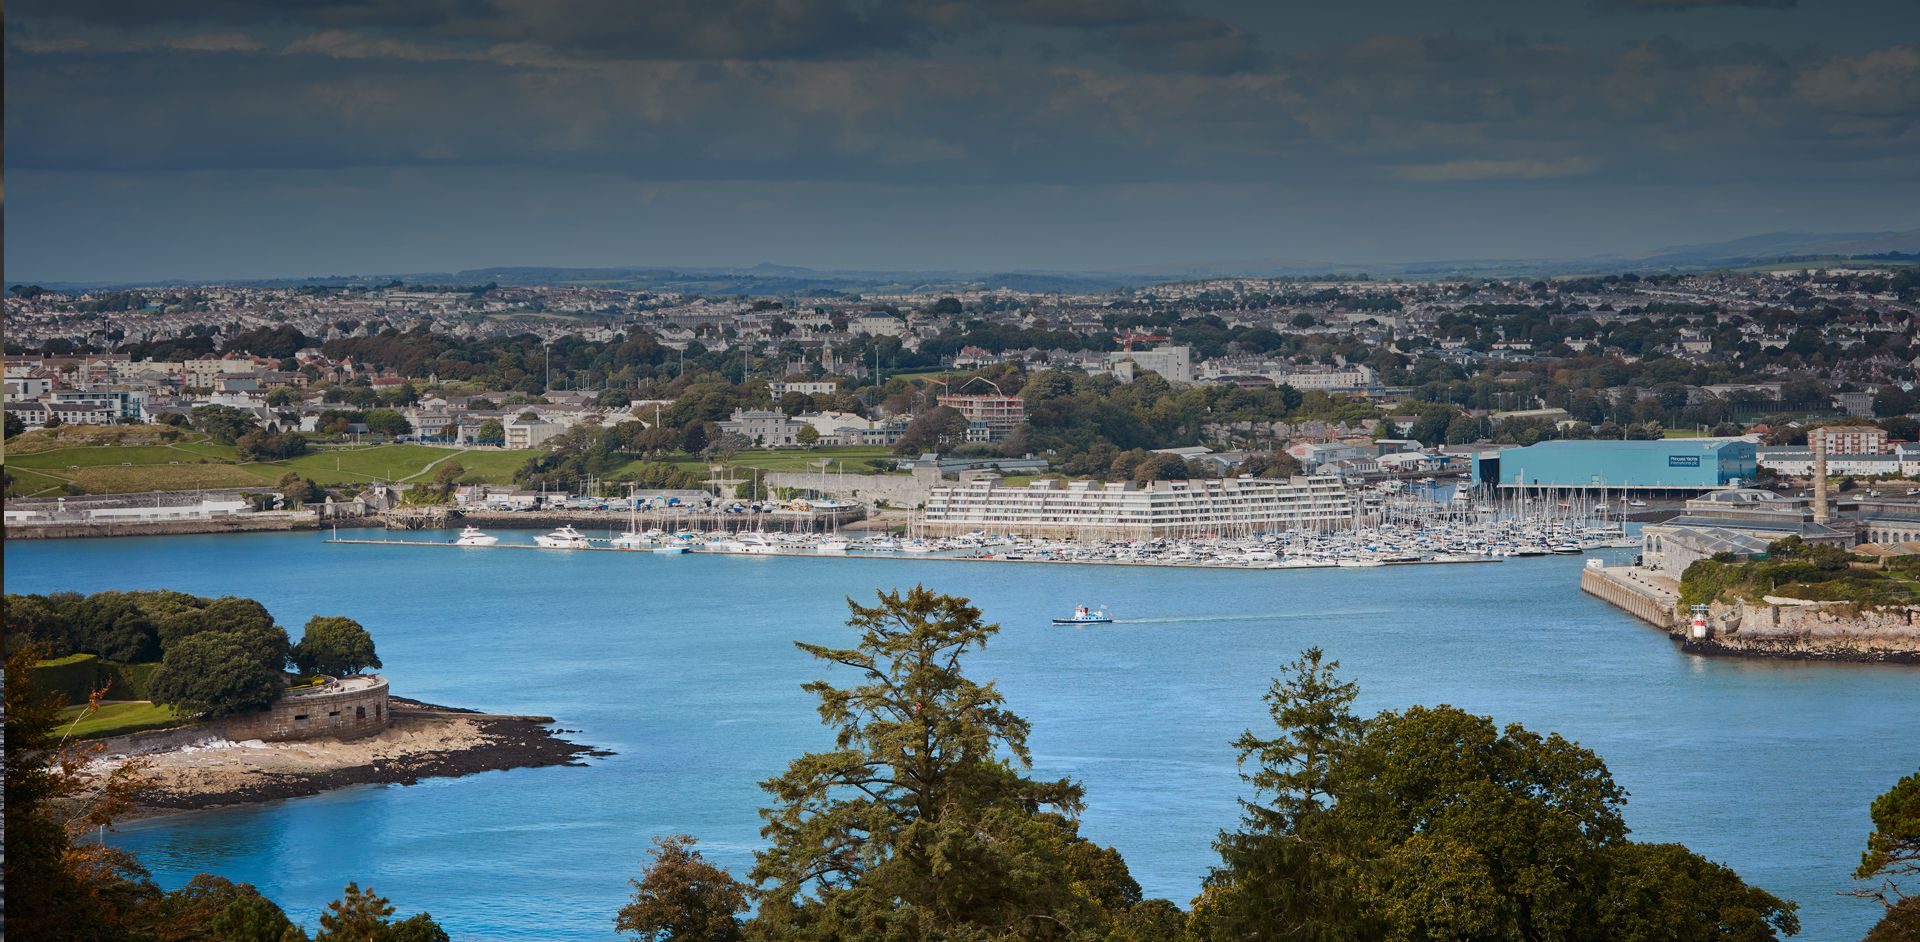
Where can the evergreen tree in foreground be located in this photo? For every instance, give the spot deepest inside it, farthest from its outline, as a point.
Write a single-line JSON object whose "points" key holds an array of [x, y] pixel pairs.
{"points": [[1893, 855], [921, 823]]}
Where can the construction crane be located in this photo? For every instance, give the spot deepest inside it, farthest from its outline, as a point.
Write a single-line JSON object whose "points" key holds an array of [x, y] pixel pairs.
{"points": [[1126, 340]]}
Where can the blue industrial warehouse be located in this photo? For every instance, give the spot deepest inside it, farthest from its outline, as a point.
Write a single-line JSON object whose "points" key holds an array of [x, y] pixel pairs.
{"points": [[1675, 464]]}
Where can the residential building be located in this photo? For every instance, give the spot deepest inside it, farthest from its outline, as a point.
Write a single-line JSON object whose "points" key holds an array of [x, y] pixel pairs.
{"points": [[1126, 510], [1853, 439], [530, 433], [996, 414], [765, 428]]}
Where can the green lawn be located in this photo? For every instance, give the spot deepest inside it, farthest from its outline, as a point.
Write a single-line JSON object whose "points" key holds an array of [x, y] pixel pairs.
{"points": [[491, 467], [120, 717], [362, 464], [1683, 433], [853, 457], [30, 483], [60, 459]]}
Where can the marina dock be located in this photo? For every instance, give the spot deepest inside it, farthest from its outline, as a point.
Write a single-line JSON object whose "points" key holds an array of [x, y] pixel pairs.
{"points": [[982, 558]]}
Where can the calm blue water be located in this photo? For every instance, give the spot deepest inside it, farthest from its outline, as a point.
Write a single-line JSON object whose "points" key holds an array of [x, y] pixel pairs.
{"points": [[684, 667]]}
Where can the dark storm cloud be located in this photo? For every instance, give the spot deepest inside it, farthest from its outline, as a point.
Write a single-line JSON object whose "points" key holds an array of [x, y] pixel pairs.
{"points": [[1161, 96], [1656, 5]]}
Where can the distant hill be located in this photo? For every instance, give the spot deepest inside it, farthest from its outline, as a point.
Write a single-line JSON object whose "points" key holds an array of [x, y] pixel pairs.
{"points": [[772, 279]]}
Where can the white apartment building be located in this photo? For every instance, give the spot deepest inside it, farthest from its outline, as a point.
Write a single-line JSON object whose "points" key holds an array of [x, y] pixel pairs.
{"points": [[1174, 364], [1798, 462], [806, 388], [1129, 511], [1853, 439]]}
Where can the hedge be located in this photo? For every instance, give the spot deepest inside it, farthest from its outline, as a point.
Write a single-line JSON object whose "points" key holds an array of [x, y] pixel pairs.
{"points": [[77, 676]]}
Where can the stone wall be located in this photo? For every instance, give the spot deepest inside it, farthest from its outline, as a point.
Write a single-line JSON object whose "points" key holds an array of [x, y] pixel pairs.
{"points": [[1639, 601], [239, 523], [348, 709], [1814, 630]]}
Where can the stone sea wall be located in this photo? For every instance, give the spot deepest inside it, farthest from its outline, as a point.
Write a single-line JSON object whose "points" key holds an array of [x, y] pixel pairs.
{"points": [[1813, 631], [1641, 602], [1784, 628]]}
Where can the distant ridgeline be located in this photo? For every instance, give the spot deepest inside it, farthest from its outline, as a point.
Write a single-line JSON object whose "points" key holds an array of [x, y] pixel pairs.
{"points": [[1796, 570]]}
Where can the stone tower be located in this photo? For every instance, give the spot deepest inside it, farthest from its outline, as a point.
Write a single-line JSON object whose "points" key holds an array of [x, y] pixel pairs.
{"points": [[1818, 439]]}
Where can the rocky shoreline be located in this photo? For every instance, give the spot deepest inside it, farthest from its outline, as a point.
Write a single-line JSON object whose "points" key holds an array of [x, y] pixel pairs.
{"points": [[1796, 650], [424, 741]]}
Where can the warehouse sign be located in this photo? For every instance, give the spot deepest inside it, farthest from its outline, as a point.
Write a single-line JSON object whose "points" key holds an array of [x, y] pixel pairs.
{"points": [[1683, 461]]}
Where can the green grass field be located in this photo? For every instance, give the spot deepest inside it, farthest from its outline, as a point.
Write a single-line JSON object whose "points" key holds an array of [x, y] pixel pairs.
{"points": [[853, 457], [27, 483], [363, 464], [111, 718], [110, 469]]}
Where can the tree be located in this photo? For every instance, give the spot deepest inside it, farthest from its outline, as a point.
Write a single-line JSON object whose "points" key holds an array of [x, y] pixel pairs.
{"points": [[281, 397], [1433, 823], [357, 916], [1291, 863], [335, 646], [920, 824], [1893, 854], [214, 672], [682, 898], [931, 430], [224, 423], [387, 422], [491, 432], [1892, 401], [808, 435], [1160, 468], [13, 425], [58, 886], [447, 476], [298, 490]]}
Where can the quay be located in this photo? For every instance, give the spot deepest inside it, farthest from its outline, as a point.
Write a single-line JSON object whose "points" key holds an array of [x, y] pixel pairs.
{"points": [[987, 558], [1652, 598]]}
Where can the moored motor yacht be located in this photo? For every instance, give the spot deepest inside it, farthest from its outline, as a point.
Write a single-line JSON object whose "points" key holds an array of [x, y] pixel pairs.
{"points": [[563, 538], [472, 536]]}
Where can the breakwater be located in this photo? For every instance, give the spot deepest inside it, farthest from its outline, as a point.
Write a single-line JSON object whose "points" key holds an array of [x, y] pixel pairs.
{"points": [[1772, 628], [1618, 586]]}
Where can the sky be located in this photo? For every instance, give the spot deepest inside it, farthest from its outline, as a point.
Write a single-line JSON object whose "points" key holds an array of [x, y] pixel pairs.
{"points": [[233, 139]]}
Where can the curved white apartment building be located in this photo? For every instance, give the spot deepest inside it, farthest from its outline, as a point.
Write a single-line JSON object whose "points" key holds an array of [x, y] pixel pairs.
{"points": [[1091, 510]]}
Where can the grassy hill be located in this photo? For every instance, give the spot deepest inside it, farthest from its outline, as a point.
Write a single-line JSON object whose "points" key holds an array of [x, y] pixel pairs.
{"points": [[93, 461], [136, 459]]}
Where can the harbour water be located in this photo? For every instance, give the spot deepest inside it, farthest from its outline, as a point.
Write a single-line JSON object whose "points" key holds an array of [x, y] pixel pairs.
{"points": [[684, 667]]}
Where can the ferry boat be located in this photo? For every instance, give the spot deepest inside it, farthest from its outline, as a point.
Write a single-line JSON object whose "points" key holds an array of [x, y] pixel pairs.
{"points": [[472, 536], [1086, 616], [672, 549], [563, 538]]}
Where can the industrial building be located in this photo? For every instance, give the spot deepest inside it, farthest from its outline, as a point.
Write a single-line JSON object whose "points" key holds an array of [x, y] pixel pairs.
{"points": [[1675, 465], [1130, 511]]}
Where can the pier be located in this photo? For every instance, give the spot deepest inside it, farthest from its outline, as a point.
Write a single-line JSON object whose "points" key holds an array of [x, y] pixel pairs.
{"points": [[1654, 600]]}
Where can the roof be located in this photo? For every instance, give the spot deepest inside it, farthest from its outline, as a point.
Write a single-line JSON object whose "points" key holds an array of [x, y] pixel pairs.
{"points": [[1802, 528]]}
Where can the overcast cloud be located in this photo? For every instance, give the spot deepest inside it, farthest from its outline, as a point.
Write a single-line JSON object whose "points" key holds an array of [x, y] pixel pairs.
{"points": [[230, 139]]}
